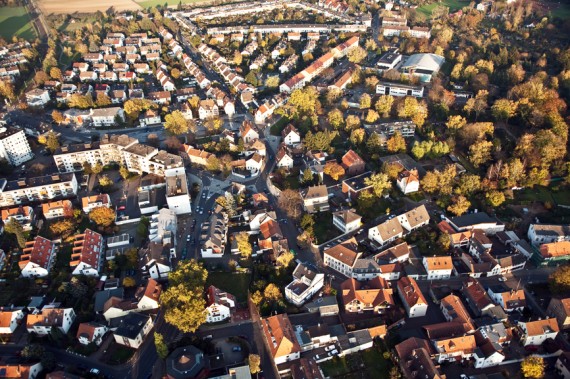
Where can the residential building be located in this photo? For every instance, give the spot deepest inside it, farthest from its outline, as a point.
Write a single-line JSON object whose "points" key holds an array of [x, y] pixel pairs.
{"points": [[354, 186], [157, 260], [43, 322], [560, 309], [150, 117], [10, 319], [480, 220], [536, 332], [414, 219], [386, 232], [372, 295], [510, 299], [399, 90], [305, 284], [555, 250], [291, 135], [215, 236], [38, 257], [342, 257], [438, 268], [248, 132], [414, 357], [280, 338], [347, 221], [476, 297], [219, 305], [37, 97], [23, 191], [454, 311], [412, 297], [72, 158], [396, 254], [353, 164], [14, 146], [95, 201], [408, 181], [177, 193], [539, 234], [91, 332], [107, 116], [454, 349], [163, 227], [189, 362], [24, 215], [87, 253], [197, 157], [315, 199], [390, 59], [563, 365], [21, 370], [284, 158], [208, 108], [133, 329]]}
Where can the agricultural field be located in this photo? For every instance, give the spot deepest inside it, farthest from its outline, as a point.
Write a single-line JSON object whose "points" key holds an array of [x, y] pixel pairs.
{"points": [[81, 6], [15, 21], [453, 5]]}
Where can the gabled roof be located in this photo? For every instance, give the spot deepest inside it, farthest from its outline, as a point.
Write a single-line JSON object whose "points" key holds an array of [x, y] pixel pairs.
{"points": [[280, 336], [410, 291], [371, 294], [540, 327], [465, 344], [347, 216], [351, 158], [390, 229], [346, 252], [87, 330], [288, 130], [438, 263]]}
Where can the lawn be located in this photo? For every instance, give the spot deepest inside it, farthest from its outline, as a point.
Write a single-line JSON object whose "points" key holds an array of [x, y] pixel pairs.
{"points": [[324, 228], [351, 366], [15, 21], [154, 3], [453, 5], [236, 284]]}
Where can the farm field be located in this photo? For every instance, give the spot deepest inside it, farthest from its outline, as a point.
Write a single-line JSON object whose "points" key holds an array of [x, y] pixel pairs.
{"points": [[15, 21], [81, 6], [453, 5]]}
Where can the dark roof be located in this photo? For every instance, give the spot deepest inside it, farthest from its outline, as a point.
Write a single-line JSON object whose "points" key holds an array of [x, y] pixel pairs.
{"points": [[131, 325], [473, 219], [185, 362], [101, 297]]}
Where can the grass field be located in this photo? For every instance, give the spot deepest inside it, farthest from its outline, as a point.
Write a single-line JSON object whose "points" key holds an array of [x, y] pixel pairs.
{"points": [[236, 284], [82, 6], [15, 21], [154, 3], [351, 366], [453, 5]]}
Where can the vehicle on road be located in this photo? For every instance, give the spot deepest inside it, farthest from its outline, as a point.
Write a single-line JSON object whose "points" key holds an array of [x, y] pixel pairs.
{"points": [[502, 279], [188, 238], [94, 371]]}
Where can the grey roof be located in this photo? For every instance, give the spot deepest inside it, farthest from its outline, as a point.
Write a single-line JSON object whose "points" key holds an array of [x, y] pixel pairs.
{"points": [[101, 297], [473, 219], [185, 362], [131, 325], [431, 62], [324, 301]]}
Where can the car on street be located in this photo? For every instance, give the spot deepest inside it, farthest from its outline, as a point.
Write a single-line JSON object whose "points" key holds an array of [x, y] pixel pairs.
{"points": [[188, 238], [94, 371], [502, 279], [236, 348]]}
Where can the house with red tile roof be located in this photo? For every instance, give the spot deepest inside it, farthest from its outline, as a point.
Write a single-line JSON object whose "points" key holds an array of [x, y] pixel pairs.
{"points": [[91, 332], [353, 164], [95, 201], [87, 254], [219, 304], [21, 370], [24, 215], [373, 295], [412, 297], [9, 320], [280, 338], [37, 257]]}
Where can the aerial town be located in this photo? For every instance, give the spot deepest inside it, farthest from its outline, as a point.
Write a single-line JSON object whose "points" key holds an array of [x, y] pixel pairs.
{"points": [[305, 189]]}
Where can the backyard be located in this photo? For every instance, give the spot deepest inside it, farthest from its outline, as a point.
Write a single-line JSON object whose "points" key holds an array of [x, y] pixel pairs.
{"points": [[369, 364], [453, 5], [236, 284], [15, 21]]}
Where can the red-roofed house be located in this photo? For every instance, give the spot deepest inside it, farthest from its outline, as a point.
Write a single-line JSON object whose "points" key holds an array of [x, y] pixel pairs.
{"points": [[24, 215], [353, 164], [91, 332], [219, 304], [37, 257], [87, 253], [412, 297], [90, 202]]}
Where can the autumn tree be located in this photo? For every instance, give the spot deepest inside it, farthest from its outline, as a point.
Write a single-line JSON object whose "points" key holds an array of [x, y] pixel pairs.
{"points": [[413, 109], [62, 228], [477, 104], [336, 118], [459, 206], [384, 105], [237, 58], [379, 183], [352, 122], [57, 117], [272, 293], [468, 184], [291, 203], [134, 107], [480, 152], [105, 182], [365, 101], [285, 258], [495, 198], [243, 244], [175, 123], [129, 281], [52, 141], [371, 116], [103, 100], [455, 123], [213, 125], [212, 163], [15, 228], [81, 101], [183, 301], [160, 344], [334, 170], [396, 143], [356, 54], [175, 73], [102, 216], [504, 109], [254, 362], [532, 367], [371, 83], [559, 280]]}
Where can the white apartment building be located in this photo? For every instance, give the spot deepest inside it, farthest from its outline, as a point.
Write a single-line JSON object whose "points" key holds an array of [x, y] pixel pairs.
{"points": [[39, 188], [386, 232], [14, 146], [71, 158], [37, 97], [163, 226], [9, 320], [346, 221], [536, 332], [342, 257], [219, 305], [177, 194], [107, 116], [539, 234], [305, 284], [43, 322], [397, 89]]}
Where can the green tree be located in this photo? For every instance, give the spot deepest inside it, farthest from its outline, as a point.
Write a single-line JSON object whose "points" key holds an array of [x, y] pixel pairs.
{"points": [[379, 182], [183, 301], [532, 367], [468, 184], [160, 344], [102, 216], [175, 123], [243, 244], [459, 206], [15, 228], [254, 362]]}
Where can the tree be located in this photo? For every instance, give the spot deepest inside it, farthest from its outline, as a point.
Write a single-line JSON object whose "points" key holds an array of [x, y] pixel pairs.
{"points": [[254, 362], [62, 227], [102, 216], [52, 142], [175, 123], [356, 54], [460, 205], [124, 172], [469, 184], [454, 123], [57, 117], [40, 77], [251, 78], [336, 118], [371, 83], [175, 73], [272, 293], [392, 170], [243, 244], [334, 170], [81, 101], [102, 100], [495, 198], [477, 104], [480, 152], [285, 258], [532, 367], [97, 169], [183, 301], [559, 280], [161, 347], [213, 163], [396, 143], [413, 109], [352, 122], [237, 58], [134, 107], [129, 281], [307, 176], [379, 182], [105, 182], [214, 125], [365, 101], [7, 90], [357, 136], [291, 203], [371, 116], [15, 228], [503, 109]]}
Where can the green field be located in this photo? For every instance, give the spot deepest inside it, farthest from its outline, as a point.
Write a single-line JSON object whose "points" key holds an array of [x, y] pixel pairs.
{"points": [[154, 3], [453, 5], [15, 21], [351, 366], [236, 284]]}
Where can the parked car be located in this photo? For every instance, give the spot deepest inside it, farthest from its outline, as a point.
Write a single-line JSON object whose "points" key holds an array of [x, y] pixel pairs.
{"points": [[236, 348]]}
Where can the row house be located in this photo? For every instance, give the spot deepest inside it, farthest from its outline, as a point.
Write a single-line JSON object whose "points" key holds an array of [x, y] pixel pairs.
{"points": [[23, 191], [560, 309], [289, 63], [207, 109], [38, 257], [438, 268], [249, 49], [87, 253], [72, 157], [454, 311], [534, 333], [214, 241], [454, 349], [160, 97], [510, 300], [10, 319], [539, 234], [165, 80], [281, 339], [266, 109]]}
